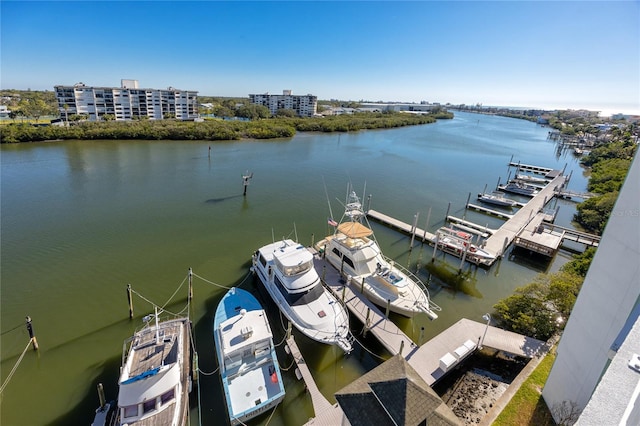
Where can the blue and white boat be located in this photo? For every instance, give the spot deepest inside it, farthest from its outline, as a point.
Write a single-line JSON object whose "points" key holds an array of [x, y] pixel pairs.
{"points": [[249, 368]]}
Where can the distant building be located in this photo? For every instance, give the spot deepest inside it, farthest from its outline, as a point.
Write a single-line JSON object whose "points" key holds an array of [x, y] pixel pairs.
{"points": [[398, 106], [594, 371], [393, 394], [303, 105], [126, 102], [4, 112]]}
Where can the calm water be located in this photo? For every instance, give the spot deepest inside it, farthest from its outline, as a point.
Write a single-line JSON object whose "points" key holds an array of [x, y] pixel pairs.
{"points": [[81, 220]]}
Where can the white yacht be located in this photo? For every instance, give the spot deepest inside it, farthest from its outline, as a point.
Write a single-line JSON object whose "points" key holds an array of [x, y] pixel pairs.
{"points": [[249, 368], [286, 270], [353, 251], [155, 378]]}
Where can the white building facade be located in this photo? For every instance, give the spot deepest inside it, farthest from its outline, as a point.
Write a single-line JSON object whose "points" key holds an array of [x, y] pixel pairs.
{"points": [[303, 105], [126, 102], [600, 329]]}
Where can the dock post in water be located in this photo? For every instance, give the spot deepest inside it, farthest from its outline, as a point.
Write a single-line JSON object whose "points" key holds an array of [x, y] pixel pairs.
{"points": [[101, 398], [130, 301], [190, 284], [435, 248], [245, 182], [34, 342], [426, 226], [413, 229], [386, 314], [447, 215], [421, 336]]}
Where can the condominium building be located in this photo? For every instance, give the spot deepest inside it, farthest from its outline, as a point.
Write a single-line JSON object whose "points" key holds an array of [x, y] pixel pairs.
{"points": [[303, 105], [126, 102]]}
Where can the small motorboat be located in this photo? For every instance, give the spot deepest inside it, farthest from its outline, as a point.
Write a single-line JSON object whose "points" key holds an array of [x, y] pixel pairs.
{"points": [[496, 199]]}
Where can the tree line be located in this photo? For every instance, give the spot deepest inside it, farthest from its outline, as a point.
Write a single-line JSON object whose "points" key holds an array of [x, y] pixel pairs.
{"points": [[213, 129]]}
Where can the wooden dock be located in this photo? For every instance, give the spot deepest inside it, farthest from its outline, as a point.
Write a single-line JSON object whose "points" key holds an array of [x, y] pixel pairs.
{"points": [[533, 169], [369, 314], [497, 243], [325, 413], [401, 226], [490, 212], [426, 358]]}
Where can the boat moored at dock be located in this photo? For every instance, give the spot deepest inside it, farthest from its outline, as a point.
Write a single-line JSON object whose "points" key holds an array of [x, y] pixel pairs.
{"points": [[155, 378], [249, 369], [353, 251], [286, 270], [458, 243], [520, 188], [497, 199]]}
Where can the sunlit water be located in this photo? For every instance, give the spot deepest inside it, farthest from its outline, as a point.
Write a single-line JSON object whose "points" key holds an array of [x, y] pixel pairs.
{"points": [[81, 220]]}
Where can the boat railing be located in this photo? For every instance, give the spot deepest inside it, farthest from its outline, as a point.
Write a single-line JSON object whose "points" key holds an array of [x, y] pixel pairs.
{"points": [[432, 306]]}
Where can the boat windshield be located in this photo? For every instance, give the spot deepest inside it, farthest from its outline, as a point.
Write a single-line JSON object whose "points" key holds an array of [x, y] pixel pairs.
{"points": [[292, 270], [303, 297]]}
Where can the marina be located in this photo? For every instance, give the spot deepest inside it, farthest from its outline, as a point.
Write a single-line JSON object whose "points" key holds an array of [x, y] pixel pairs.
{"points": [[114, 212]]}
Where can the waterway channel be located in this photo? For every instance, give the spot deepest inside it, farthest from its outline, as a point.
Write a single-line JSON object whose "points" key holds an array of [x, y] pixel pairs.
{"points": [[82, 219]]}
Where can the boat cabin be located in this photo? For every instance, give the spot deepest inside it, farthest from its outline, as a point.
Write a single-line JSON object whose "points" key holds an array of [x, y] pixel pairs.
{"points": [[246, 340]]}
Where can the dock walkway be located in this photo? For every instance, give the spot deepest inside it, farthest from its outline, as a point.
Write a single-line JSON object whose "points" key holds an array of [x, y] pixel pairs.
{"points": [[427, 359], [497, 243], [374, 320], [325, 412], [400, 225]]}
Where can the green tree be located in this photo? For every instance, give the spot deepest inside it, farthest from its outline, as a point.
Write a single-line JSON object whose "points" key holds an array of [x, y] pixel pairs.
{"points": [[540, 308], [286, 112], [253, 111]]}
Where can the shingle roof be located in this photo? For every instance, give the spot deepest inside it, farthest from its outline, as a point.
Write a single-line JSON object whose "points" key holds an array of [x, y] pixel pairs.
{"points": [[393, 394]]}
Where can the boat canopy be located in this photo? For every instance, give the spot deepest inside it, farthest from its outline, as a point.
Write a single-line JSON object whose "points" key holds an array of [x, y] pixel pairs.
{"points": [[354, 230], [293, 260]]}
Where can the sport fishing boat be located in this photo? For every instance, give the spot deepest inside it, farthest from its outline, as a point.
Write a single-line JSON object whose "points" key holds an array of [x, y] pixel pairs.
{"points": [[458, 243], [155, 378], [496, 199], [520, 188], [249, 368], [286, 270], [354, 251]]}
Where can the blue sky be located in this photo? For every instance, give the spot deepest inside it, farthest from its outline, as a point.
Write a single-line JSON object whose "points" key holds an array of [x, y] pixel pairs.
{"points": [[546, 54]]}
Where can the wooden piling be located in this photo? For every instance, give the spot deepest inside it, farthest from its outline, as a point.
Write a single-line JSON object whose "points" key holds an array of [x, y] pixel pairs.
{"points": [[190, 284], [426, 226], [101, 397], [447, 215], [130, 301], [413, 229], [32, 337]]}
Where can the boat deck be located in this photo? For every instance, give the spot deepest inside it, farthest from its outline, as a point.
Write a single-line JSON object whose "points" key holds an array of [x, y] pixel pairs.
{"points": [[166, 416]]}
